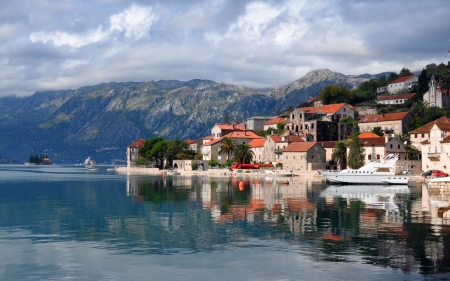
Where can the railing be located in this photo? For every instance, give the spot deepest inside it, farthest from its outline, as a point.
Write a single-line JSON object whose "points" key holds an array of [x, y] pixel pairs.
{"points": [[278, 150], [434, 155]]}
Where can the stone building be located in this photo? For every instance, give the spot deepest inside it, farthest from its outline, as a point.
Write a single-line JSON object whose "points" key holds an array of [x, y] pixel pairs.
{"points": [[435, 96], [133, 152], [397, 123], [304, 156]]}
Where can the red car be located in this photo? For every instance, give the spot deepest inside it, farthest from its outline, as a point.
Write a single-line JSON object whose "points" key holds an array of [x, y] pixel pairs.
{"points": [[438, 174]]}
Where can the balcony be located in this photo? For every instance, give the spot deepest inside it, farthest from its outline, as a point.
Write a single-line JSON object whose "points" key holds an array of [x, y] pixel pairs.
{"points": [[434, 156], [278, 150]]}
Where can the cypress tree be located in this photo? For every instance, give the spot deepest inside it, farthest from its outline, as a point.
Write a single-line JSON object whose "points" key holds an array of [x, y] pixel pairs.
{"points": [[356, 150]]}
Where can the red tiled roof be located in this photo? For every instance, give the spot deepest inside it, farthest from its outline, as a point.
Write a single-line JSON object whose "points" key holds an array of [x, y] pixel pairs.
{"points": [[236, 135], [299, 146], [381, 118], [368, 135], [374, 141], [276, 138], [314, 99], [402, 79], [443, 123], [292, 138], [189, 141], [257, 143], [446, 139], [393, 97], [137, 143], [275, 121], [327, 144], [329, 108]]}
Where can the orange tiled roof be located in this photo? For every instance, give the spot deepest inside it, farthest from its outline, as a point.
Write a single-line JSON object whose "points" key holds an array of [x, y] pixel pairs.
{"points": [[276, 138], [235, 135], [393, 97], [189, 141], [443, 123], [382, 118], [275, 121], [299, 146], [402, 79], [229, 127], [257, 143], [314, 99], [137, 143], [374, 141], [368, 135], [329, 108]]}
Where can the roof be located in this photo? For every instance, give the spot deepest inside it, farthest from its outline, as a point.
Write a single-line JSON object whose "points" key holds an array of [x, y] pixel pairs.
{"points": [[137, 143], [373, 141], [257, 142], [292, 138], [275, 121], [446, 139], [189, 141], [383, 117], [443, 123], [230, 127], [393, 97], [299, 146], [236, 135], [329, 108], [314, 99], [276, 138], [402, 79], [328, 144], [368, 135]]}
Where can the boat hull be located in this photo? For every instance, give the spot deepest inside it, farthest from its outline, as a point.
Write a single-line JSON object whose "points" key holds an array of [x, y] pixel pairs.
{"points": [[344, 178]]}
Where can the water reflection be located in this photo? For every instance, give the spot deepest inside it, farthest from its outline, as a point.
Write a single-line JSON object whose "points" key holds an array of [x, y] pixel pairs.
{"points": [[303, 220]]}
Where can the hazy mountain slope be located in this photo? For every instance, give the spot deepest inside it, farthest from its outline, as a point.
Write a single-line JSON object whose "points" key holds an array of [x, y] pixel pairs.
{"points": [[101, 120]]}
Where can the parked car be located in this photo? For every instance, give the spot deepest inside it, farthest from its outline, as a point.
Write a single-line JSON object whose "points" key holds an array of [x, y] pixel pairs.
{"points": [[427, 173], [438, 174]]}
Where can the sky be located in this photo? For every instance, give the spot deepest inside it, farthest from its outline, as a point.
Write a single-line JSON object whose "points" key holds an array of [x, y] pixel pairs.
{"points": [[64, 44]]}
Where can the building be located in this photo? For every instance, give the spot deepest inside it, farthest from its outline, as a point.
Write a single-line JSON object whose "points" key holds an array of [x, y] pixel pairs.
{"points": [[304, 156], [315, 101], [435, 96], [270, 146], [397, 123], [210, 149], [257, 146], [402, 83], [273, 123], [436, 149], [423, 134], [219, 130], [378, 147], [284, 142], [329, 149], [133, 152], [322, 122], [395, 99], [257, 123]]}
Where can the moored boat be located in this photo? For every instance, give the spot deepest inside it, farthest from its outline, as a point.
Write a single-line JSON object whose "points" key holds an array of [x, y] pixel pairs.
{"points": [[378, 172]]}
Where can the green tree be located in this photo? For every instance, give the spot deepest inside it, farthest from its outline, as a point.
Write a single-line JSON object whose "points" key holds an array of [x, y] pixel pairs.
{"points": [[158, 153], [336, 94], [404, 72], [141, 162], [227, 146], [378, 131], [356, 153], [444, 83], [340, 154], [280, 127], [244, 153], [422, 85], [198, 156], [212, 163]]}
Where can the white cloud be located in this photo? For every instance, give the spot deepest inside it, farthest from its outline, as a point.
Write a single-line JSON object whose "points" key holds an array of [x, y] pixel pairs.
{"points": [[64, 38], [135, 21]]}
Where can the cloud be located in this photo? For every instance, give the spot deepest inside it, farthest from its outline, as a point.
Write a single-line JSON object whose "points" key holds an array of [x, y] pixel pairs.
{"points": [[258, 43]]}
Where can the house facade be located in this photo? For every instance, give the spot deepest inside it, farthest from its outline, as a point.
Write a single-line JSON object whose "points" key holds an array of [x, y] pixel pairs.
{"points": [[321, 122], [133, 152], [395, 99], [257, 146], [219, 130], [436, 150], [272, 123], [329, 149], [307, 156], [402, 83], [270, 145], [397, 123], [257, 123], [423, 134]]}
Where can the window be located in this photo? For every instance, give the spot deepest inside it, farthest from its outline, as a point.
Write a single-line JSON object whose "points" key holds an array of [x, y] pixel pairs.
{"points": [[312, 156], [369, 157], [391, 145], [286, 157], [398, 146]]}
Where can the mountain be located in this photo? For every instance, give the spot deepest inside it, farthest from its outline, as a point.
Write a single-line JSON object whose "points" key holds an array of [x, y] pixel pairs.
{"points": [[101, 120]]}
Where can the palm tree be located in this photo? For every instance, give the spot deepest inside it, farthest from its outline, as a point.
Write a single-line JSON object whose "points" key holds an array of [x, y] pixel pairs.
{"points": [[420, 107], [340, 154], [244, 153], [227, 146]]}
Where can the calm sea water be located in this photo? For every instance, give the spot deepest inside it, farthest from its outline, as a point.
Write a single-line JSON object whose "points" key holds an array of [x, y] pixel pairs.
{"points": [[65, 223]]}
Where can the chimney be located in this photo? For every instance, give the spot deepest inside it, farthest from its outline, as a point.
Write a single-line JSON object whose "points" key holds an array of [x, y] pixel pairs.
{"points": [[382, 114], [386, 138], [232, 126], [245, 126]]}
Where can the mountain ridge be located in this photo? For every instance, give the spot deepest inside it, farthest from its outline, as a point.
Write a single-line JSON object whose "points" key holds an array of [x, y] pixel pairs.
{"points": [[103, 119]]}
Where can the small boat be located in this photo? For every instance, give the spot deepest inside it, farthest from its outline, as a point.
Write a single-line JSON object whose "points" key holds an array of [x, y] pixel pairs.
{"points": [[93, 169], [382, 172], [111, 169]]}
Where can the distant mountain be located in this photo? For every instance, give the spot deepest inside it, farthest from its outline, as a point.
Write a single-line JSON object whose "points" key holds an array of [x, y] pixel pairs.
{"points": [[100, 121]]}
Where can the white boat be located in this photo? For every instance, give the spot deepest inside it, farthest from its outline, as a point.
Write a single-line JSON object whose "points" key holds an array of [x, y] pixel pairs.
{"points": [[93, 168], [379, 172], [279, 173]]}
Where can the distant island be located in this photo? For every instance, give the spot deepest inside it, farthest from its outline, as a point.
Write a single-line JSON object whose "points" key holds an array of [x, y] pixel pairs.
{"points": [[4, 160], [39, 160]]}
